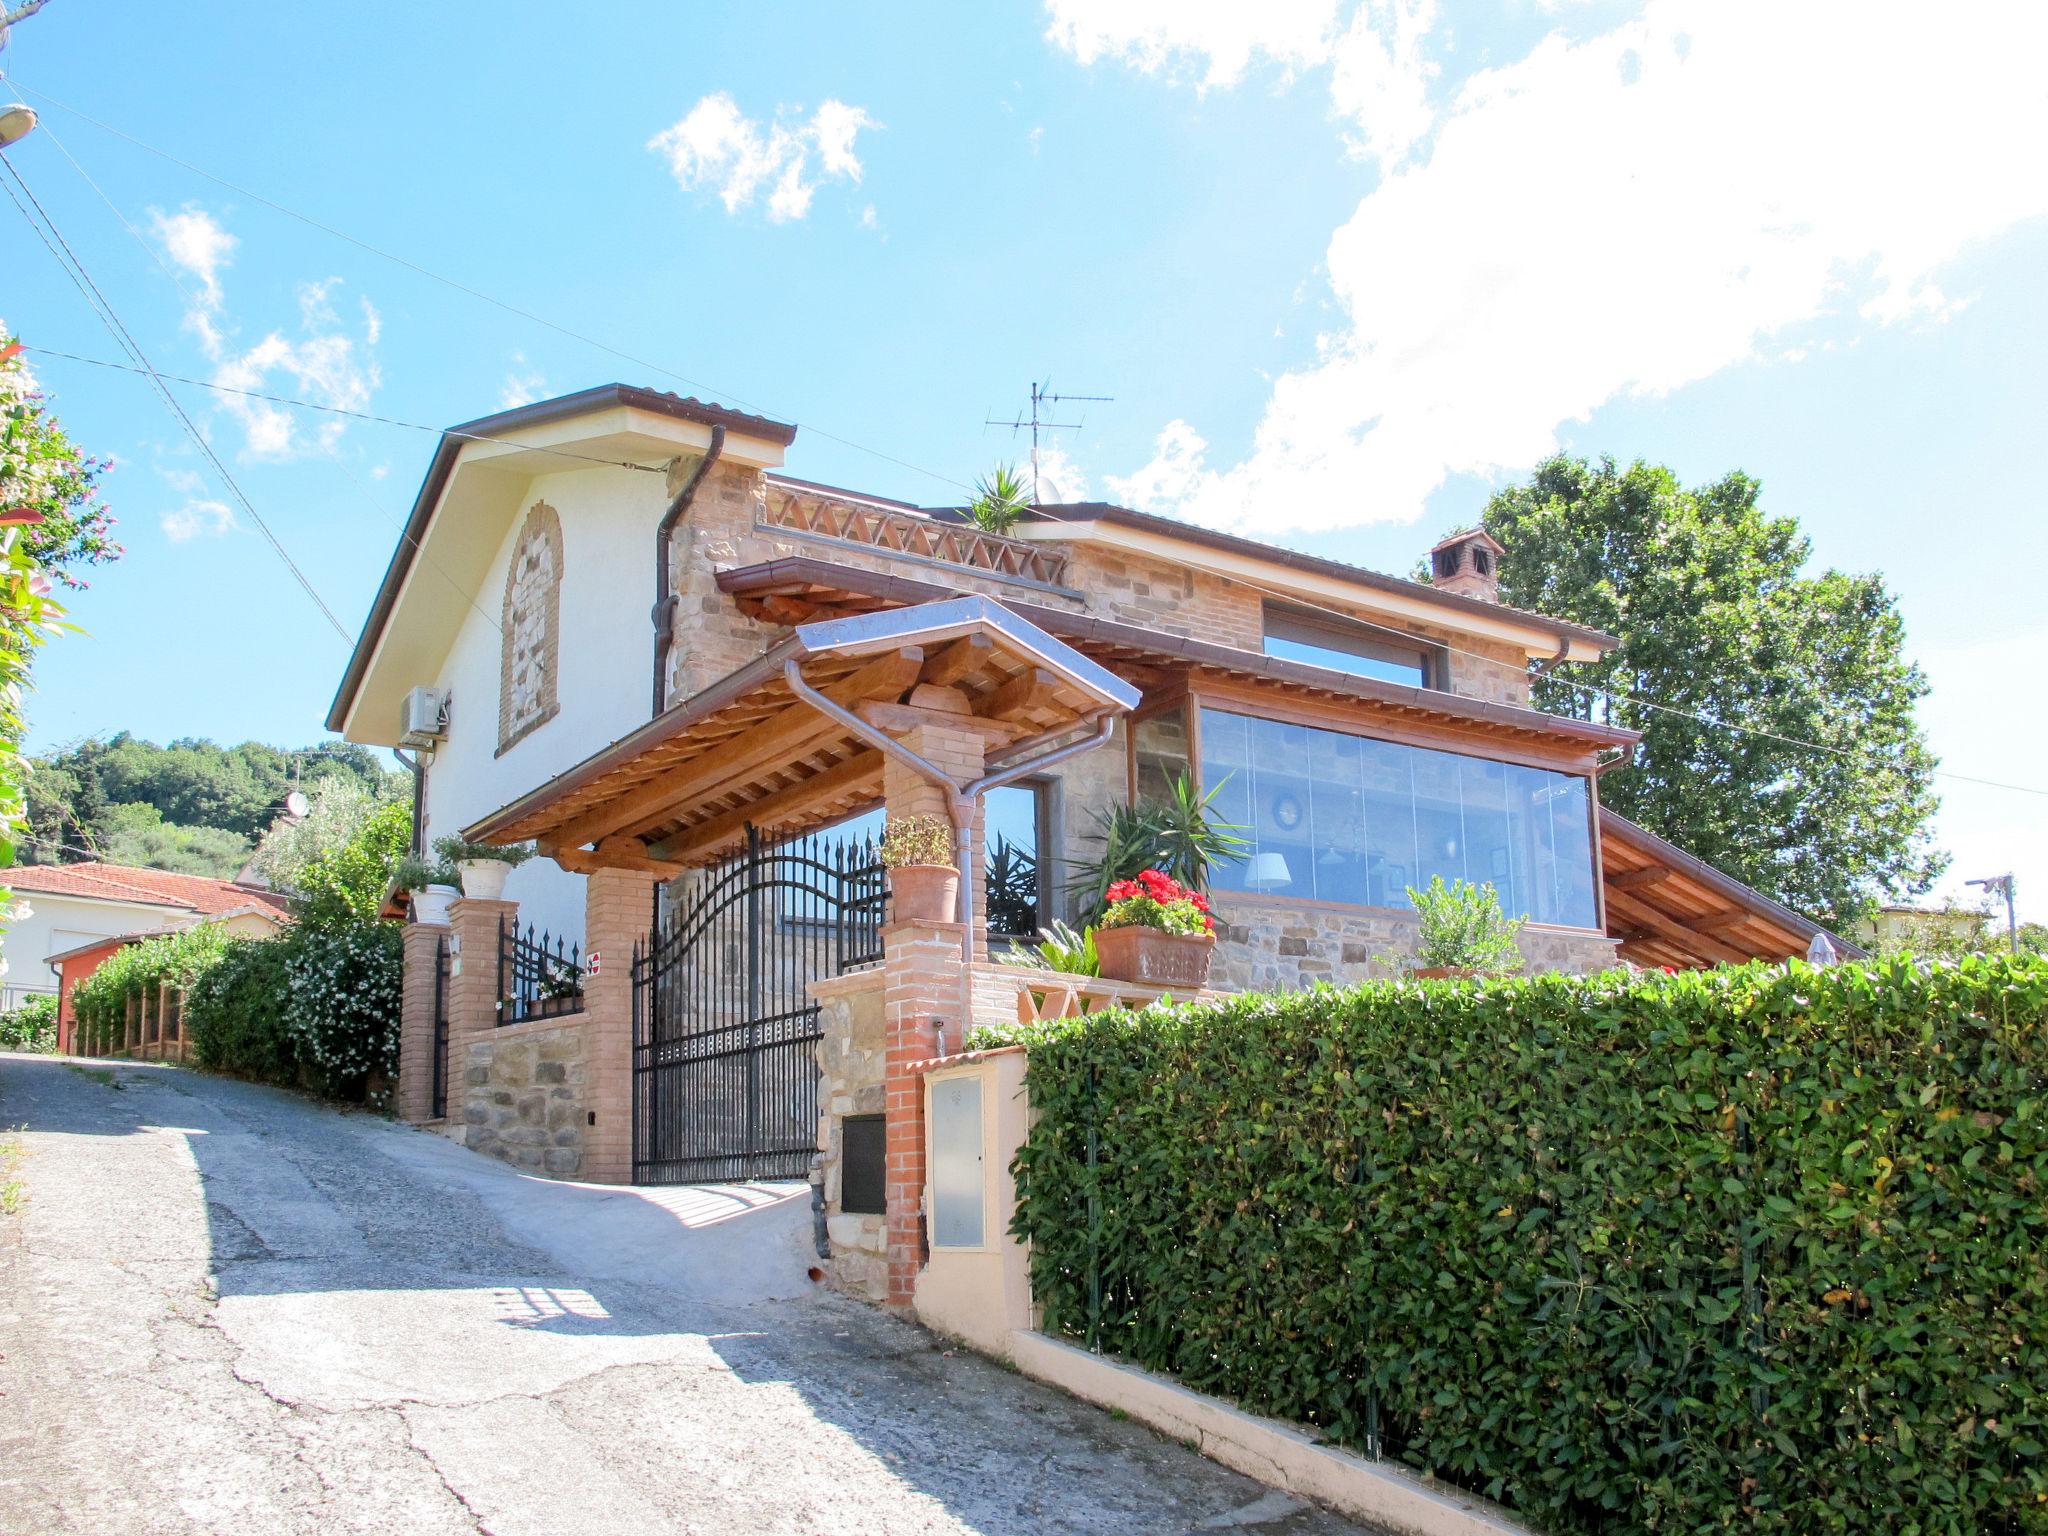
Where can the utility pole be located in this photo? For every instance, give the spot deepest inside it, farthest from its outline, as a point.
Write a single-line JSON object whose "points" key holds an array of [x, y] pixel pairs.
{"points": [[2001, 885], [1041, 397]]}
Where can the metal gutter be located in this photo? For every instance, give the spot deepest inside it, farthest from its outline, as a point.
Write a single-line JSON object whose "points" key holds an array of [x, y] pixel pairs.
{"points": [[664, 612]]}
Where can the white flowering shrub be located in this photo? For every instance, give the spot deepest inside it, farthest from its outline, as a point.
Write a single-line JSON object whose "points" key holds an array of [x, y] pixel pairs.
{"points": [[343, 1004]]}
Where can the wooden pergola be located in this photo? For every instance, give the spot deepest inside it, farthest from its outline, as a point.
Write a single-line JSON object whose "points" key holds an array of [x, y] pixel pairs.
{"points": [[797, 738]]}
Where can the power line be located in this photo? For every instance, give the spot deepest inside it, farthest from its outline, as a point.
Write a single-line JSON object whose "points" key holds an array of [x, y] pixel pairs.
{"points": [[336, 410], [98, 302], [486, 298]]}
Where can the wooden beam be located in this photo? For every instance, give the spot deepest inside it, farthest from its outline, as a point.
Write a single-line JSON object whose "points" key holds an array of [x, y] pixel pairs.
{"points": [[776, 740], [777, 809], [612, 853], [963, 658], [1636, 879], [1689, 940], [905, 717], [781, 609], [1030, 689]]}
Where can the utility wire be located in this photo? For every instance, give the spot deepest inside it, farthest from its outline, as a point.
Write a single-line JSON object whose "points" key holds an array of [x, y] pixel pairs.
{"points": [[336, 410], [98, 302], [486, 298]]}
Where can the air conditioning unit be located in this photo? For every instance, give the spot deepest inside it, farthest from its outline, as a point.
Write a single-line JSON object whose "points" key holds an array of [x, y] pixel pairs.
{"points": [[426, 718]]}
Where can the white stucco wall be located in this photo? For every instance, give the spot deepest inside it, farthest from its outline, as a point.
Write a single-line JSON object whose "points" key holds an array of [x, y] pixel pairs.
{"points": [[605, 662], [54, 923]]}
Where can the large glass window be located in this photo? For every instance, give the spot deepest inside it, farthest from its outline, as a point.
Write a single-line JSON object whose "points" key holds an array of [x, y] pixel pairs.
{"points": [[1356, 649], [1344, 818]]}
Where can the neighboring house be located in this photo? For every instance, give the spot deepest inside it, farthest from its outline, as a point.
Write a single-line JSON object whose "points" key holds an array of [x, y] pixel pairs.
{"points": [[80, 913], [1926, 930], [1369, 731]]}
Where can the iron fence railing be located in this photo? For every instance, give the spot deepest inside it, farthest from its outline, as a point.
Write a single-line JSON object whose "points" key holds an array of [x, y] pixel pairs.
{"points": [[539, 976]]}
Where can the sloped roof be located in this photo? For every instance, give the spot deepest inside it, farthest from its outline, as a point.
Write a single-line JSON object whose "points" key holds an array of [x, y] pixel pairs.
{"points": [[146, 887]]}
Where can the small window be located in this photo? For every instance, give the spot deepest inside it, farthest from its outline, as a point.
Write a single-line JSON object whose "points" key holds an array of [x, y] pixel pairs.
{"points": [[1445, 561], [1482, 560], [863, 1189], [1357, 649]]}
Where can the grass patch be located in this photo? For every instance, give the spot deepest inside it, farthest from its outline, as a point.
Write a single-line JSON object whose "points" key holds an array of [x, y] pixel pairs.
{"points": [[13, 1193], [103, 1075]]}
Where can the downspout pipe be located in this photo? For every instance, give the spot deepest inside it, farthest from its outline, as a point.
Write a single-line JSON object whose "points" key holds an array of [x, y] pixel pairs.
{"points": [[1564, 651], [960, 797], [664, 613], [418, 770]]}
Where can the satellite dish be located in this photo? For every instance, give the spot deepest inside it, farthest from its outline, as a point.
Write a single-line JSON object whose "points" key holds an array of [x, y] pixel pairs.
{"points": [[296, 806]]}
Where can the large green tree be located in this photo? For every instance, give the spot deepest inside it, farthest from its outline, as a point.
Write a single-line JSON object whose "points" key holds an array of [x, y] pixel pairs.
{"points": [[208, 799], [1756, 657]]}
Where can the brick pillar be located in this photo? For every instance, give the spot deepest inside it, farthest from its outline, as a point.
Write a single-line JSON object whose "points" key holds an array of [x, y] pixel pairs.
{"points": [[618, 905], [925, 993], [416, 1024], [472, 984]]}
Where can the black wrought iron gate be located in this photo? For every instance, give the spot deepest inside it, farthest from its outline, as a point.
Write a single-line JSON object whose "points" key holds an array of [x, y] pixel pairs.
{"points": [[725, 1072]]}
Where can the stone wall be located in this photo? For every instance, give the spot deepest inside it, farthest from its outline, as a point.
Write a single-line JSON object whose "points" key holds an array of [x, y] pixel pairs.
{"points": [[1277, 945], [522, 1094], [853, 1063]]}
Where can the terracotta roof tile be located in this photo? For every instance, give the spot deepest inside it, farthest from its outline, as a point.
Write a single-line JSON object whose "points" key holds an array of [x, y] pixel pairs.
{"points": [[153, 887]]}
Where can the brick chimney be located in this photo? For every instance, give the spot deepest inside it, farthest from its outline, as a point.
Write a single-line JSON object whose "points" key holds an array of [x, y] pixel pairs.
{"points": [[1468, 563]]}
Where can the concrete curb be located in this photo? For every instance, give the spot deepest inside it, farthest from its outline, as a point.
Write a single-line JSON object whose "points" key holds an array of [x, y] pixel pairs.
{"points": [[1274, 1453]]}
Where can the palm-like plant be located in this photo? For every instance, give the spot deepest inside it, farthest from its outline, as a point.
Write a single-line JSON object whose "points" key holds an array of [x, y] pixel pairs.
{"points": [[1001, 499], [1178, 834]]}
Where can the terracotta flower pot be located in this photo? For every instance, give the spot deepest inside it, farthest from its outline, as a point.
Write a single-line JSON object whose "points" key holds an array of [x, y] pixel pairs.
{"points": [[925, 893], [1445, 973], [1155, 958]]}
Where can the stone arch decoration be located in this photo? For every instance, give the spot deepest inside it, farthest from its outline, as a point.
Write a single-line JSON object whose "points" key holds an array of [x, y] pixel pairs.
{"points": [[531, 620]]}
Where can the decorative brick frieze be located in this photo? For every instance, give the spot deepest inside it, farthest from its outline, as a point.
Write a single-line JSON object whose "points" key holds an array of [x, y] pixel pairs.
{"points": [[530, 622]]}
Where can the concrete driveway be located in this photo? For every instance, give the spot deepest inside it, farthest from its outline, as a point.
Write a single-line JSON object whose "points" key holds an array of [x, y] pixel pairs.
{"points": [[225, 1308]]}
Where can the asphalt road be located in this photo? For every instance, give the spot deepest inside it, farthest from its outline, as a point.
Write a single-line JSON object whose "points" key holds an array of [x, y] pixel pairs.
{"points": [[225, 1308]]}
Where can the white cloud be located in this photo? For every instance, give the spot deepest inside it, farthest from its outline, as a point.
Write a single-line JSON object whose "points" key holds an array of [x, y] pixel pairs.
{"points": [[1059, 477], [323, 364], [714, 145], [1219, 38], [523, 383], [1617, 216], [198, 518], [195, 241]]}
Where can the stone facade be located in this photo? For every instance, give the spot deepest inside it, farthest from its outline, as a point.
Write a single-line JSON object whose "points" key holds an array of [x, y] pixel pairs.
{"points": [[522, 1090], [531, 621], [853, 1066], [1278, 945]]}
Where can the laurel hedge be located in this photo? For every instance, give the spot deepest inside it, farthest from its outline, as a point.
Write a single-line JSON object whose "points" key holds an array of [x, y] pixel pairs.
{"points": [[1762, 1247]]}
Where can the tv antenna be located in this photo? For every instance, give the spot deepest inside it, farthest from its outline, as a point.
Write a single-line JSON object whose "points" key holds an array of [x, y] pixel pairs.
{"points": [[1042, 397]]}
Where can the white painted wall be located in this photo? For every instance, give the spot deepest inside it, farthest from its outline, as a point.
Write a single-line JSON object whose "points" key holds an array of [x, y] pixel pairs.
{"points": [[606, 659], [54, 923]]}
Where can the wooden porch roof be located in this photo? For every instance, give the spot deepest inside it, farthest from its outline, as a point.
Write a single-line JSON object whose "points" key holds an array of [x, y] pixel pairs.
{"points": [[682, 789], [782, 590], [1669, 908]]}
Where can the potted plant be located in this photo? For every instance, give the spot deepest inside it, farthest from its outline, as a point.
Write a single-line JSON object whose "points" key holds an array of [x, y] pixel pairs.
{"points": [[925, 882], [482, 866], [433, 887], [1463, 931], [1156, 931]]}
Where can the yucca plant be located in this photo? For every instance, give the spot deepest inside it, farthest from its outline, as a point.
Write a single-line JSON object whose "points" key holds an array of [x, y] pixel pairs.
{"points": [[1001, 500], [1179, 835]]}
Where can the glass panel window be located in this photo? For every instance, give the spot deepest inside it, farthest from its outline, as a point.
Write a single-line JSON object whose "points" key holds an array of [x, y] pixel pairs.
{"points": [[1016, 875], [1344, 818], [1361, 651]]}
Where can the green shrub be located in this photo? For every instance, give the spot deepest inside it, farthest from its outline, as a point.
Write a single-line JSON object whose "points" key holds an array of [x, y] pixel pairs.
{"points": [[31, 1025], [99, 1003], [1762, 1248], [345, 989], [235, 1013]]}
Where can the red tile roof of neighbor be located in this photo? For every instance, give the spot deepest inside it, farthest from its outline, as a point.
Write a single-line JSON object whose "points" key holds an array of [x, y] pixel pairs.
{"points": [[151, 887]]}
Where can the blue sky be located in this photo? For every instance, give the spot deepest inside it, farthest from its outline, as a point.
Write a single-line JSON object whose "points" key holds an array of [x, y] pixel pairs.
{"points": [[1343, 267]]}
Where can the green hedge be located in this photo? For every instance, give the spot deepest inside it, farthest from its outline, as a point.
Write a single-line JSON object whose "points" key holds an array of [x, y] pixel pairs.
{"points": [[235, 1013], [1757, 1248], [31, 1025], [99, 1003]]}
